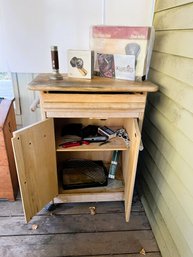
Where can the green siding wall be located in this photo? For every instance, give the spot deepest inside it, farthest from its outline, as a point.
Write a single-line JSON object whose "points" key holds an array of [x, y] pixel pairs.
{"points": [[166, 164]]}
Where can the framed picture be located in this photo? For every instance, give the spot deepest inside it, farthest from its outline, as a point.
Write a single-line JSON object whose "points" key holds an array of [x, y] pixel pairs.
{"points": [[106, 65]]}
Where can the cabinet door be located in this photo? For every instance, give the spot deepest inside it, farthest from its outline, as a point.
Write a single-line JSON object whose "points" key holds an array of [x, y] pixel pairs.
{"points": [[35, 156], [130, 158]]}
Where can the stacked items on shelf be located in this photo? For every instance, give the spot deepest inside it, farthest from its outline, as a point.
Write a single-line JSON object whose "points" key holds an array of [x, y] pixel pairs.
{"points": [[83, 173]]}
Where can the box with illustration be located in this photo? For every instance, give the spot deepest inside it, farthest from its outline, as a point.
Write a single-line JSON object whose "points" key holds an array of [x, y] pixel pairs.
{"points": [[80, 63], [106, 65], [124, 66], [123, 40]]}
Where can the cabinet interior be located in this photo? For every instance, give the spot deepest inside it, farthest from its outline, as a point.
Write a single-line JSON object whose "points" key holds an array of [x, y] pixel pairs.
{"points": [[93, 151]]}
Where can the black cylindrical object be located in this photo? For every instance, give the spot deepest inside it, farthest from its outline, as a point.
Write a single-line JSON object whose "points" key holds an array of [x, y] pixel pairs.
{"points": [[54, 56]]}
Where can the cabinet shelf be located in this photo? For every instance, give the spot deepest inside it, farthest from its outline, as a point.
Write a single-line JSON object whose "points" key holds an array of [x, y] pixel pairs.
{"points": [[114, 191], [113, 186], [114, 144]]}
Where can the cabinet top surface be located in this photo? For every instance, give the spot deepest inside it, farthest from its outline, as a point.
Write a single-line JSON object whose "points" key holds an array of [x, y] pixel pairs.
{"points": [[98, 84]]}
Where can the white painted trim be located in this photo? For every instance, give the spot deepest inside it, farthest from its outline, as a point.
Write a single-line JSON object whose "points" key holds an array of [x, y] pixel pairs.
{"points": [[103, 12]]}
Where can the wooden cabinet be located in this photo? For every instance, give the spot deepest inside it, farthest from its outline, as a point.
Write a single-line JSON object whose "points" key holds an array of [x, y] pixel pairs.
{"points": [[8, 175], [99, 101]]}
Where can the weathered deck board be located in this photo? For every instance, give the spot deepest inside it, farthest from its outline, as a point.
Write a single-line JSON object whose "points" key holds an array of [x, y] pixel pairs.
{"points": [[15, 208], [70, 230], [78, 244], [73, 224]]}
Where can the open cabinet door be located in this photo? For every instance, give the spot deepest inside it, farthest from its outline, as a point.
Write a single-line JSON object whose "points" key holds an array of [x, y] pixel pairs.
{"points": [[130, 159], [35, 157]]}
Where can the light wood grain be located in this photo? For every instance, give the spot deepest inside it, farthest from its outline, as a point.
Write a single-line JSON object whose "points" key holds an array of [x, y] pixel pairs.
{"points": [[113, 106], [93, 98], [97, 99], [114, 144], [129, 163], [91, 196], [104, 156], [34, 149], [98, 84], [93, 105], [95, 113]]}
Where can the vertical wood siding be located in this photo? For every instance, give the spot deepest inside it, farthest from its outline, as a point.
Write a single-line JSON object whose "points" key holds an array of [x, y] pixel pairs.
{"points": [[24, 98], [166, 164]]}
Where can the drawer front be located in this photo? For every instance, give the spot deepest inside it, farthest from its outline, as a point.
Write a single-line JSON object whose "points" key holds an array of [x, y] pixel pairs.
{"points": [[83, 105]]}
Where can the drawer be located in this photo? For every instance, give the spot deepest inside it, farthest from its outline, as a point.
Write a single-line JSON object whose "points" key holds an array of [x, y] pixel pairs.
{"points": [[82, 105]]}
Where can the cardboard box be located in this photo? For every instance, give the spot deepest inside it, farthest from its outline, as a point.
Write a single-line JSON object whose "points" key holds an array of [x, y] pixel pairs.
{"points": [[124, 66], [122, 40], [80, 63]]}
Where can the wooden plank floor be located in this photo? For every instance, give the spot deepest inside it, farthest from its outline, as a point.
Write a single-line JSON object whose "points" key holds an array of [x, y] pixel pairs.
{"points": [[70, 230]]}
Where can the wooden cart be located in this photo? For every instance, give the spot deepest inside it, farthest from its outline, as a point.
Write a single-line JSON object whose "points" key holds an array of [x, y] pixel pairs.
{"points": [[101, 101]]}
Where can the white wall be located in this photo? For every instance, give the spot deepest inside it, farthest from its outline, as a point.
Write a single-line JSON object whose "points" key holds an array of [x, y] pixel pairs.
{"points": [[29, 28], [129, 12]]}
